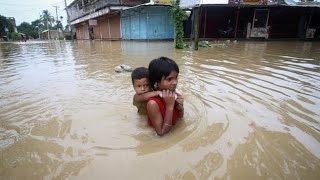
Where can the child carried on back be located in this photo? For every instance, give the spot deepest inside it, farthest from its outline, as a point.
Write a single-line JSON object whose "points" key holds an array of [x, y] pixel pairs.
{"points": [[164, 105], [141, 85]]}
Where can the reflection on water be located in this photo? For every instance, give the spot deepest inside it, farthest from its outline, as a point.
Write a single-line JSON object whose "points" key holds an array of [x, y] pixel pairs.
{"points": [[252, 112]]}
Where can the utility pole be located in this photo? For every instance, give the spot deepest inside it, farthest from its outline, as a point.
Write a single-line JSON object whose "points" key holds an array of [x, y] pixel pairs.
{"points": [[48, 30], [57, 21], [68, 16]]}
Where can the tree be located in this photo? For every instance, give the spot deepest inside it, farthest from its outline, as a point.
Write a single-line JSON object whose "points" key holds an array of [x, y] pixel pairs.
{"points": [[47, 19], [66, 28], [5, 24], [38, 26], [178, 16], [28, 29]]}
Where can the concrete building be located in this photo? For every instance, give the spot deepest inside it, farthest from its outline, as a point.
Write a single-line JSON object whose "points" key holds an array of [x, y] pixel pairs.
{"points": [[98, 19]]}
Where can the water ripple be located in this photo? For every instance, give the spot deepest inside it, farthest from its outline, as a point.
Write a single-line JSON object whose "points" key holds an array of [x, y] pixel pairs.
{"points": [[249, 106]]}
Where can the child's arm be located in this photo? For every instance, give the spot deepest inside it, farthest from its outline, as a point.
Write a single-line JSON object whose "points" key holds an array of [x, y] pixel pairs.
{"points": [[145, 96]]}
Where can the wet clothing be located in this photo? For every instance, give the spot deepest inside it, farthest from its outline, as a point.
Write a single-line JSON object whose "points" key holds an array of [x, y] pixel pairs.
{"points": [[162, 108], [142, 107]]}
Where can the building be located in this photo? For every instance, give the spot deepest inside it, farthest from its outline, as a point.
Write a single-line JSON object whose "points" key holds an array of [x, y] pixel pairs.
{"points": [[272, 19], [147, 22], [13, 22], [53, 34], [98, 19]]}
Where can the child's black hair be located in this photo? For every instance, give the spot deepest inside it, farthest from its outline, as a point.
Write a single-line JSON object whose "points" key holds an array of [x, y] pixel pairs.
{"points": [[139, 73], [160, 67]]}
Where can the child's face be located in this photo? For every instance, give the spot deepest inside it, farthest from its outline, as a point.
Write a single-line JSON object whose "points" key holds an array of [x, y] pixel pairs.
{"points": [[170, 82], [141, 85]]}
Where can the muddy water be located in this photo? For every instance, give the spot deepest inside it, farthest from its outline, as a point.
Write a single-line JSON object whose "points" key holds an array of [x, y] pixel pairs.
{"points": [[251, 112]]}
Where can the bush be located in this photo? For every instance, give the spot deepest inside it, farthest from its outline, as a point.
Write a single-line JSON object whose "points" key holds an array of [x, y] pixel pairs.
{"points": [[204, 44], [14, 36], [178, 16]]}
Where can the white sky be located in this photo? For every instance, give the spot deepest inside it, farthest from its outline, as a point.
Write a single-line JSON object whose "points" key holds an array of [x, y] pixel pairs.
{"points": [[30, 10]]}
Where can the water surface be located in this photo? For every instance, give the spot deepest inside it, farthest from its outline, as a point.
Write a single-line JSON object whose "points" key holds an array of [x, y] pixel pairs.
{"points": [[251, 112]]}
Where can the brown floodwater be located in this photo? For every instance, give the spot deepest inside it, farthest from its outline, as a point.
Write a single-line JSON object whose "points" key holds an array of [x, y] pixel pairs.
{"points": [[252, 111]]}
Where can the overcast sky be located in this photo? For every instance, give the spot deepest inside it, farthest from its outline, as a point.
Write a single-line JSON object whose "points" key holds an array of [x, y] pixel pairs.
{"points": [[30, 10]]}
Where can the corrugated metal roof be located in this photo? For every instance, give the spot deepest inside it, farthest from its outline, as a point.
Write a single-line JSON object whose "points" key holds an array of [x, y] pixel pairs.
{"points": [[300, 4], [147, 4], [290, 3]]}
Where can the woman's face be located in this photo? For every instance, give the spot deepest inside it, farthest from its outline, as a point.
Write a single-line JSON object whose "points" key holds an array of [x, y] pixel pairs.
{"points": [[170, 82]]}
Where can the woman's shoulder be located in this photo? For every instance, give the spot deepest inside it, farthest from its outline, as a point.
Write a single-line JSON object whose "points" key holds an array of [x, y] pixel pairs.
{"points": [[155, 98], [155, 101]]}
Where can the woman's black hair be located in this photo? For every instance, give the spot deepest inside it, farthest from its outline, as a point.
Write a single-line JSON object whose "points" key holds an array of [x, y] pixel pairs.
{"points": [[139, 73], [160, 67]]}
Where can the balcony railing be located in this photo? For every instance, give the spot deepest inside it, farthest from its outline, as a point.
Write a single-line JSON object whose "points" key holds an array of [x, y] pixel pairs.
{"points": [[80, 8]]}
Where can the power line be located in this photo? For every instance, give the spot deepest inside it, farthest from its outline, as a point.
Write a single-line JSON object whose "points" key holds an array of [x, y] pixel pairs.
{"points": [[31, 5], [9, 4]]}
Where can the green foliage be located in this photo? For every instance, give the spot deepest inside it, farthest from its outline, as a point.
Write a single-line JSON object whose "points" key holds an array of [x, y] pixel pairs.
{"points": [[204, 44], [28, 29], [47, 19], [178, 16], [14, 36], [5, 23], [186, 45], [58, 25]]}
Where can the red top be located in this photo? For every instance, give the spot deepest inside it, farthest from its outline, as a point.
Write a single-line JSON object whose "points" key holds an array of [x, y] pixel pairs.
{"points": [[162, 107]]}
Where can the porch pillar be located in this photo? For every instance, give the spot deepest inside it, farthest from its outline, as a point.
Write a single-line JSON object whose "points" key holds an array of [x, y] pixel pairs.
{"points": [[237, 20], [196, 27]]}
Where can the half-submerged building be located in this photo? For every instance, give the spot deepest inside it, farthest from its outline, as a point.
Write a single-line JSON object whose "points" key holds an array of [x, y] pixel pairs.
{"points": [[98, 19], [266, 19]]}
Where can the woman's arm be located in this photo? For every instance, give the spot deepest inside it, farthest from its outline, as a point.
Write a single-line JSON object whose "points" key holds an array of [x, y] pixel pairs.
{"points": [[161, 126], [179, 105], [145, 96]]}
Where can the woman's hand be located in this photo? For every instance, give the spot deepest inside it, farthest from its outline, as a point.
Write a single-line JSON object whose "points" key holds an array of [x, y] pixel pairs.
{"points": [[168, 97], [179, 102]]}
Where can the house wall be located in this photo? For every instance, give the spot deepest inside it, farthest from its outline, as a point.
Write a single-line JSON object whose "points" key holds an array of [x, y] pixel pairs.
{"points": [[82, 31], [108, 27], [147, 22], [284, 22]]}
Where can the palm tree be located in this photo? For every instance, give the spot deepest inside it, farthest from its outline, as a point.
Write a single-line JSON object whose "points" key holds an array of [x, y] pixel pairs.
{"points": [[47, 18]]}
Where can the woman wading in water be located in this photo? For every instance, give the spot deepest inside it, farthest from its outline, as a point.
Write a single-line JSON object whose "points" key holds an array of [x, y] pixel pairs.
{"points": [[163, 111]]}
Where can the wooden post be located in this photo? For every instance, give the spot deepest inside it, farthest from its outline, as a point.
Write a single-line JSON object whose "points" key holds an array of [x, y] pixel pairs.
{"points": [[310, 18], [205, 24], [236, 28], [196, 28]]}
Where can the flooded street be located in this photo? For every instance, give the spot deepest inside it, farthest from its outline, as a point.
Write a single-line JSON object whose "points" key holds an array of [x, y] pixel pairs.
{"points": [[252, 111]]}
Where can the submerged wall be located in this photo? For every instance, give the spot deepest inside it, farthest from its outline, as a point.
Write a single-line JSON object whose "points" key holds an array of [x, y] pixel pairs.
{"points": [[147, 22]]}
